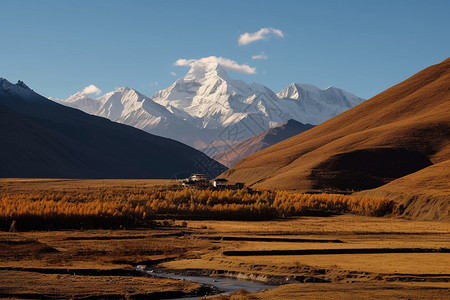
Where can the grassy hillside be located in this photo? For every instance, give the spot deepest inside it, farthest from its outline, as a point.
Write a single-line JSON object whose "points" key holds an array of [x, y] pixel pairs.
{"points": [[422, 195], [409, 122], [398, 132]]}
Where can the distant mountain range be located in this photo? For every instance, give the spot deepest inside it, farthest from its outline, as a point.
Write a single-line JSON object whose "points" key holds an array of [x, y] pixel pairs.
{"points": [[207, 106], [40, 138], [397, 142], [260, 141]]}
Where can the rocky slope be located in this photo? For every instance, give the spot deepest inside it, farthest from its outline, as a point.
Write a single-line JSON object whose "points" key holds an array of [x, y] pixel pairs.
{"points": [[260, 141]]}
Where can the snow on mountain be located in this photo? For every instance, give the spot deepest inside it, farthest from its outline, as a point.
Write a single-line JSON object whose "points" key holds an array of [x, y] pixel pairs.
{"points": [[207, 106], [208, 98], [123, 105], [314, 105], [128, 106], [83, 102]]}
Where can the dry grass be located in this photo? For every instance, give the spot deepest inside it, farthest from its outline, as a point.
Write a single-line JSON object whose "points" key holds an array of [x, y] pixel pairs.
{"points": [[35, 285], [354, 231], [360, 291], [197, 247], [65, 264], [336, 226], [61, 185], [431, 199]]}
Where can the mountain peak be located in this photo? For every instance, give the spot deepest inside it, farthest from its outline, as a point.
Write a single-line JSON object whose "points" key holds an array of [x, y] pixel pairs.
{"points": [[22, 85], [202, 70], [123, 89], [291, 122], [128, 91], [4, 82], [77, 96], [18, 89], [308, 93]]}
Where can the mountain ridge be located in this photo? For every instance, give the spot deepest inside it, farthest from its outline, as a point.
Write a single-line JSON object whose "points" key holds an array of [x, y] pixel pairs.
{"points": [[260, 141], [206, 106], [41, 138]]}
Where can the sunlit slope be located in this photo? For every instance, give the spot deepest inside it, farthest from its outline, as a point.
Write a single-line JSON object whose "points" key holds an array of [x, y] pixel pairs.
{"points": [[397, 132]]}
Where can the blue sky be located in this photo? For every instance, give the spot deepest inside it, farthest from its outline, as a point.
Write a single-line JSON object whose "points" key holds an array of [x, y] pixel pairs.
{"points": [[59, 47]]}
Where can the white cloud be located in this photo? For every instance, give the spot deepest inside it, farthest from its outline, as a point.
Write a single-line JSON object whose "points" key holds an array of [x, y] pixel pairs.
{"points": [[92, 89], [262, 34], [153, 83], [226, 63], [173, 73], [260, 56]]}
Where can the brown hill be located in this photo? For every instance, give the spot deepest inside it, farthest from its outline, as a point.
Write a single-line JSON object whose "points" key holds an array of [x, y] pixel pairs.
{"points": [[423, 195], [399, 131], [232, 155]]}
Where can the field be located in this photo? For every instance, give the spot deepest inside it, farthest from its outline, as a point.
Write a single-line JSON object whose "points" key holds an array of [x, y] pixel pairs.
{"points": [[333, 256]]}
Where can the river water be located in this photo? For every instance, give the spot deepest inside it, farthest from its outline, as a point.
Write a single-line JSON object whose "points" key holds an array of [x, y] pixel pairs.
{"points": [[226, 285]]}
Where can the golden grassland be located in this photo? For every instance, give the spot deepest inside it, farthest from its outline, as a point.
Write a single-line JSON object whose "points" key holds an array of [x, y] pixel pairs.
{"points": [[100, 262], [113, 206], [95, 263], [33, 285], [356, 291], [351, 230], [70, 263]]}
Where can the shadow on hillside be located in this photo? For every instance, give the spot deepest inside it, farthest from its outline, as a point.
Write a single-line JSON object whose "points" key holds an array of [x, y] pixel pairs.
{"points": [[366, 168]]}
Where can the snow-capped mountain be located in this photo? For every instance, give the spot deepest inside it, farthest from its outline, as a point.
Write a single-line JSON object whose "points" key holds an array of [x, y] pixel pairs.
{"points": [[83, 102], [208, 106], [211, 99], [208, 98], [317, 104], [128, 106]]}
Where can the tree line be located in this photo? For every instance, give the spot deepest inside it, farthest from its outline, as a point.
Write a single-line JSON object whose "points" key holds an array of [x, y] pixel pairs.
{"points": [[113, 208]]}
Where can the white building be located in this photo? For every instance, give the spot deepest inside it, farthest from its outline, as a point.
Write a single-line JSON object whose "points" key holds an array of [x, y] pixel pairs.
{"points": [[198, 177], [220, 182]]}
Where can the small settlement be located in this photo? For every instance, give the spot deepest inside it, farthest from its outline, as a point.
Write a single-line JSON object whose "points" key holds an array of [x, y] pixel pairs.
{"points": [[200, 181]]}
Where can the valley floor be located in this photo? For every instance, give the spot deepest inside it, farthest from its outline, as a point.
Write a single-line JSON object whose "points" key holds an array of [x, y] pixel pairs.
{"points": [[343, 256]]}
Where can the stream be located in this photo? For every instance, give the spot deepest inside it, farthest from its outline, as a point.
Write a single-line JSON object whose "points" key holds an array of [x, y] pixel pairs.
{"points": [[226, 285]]}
